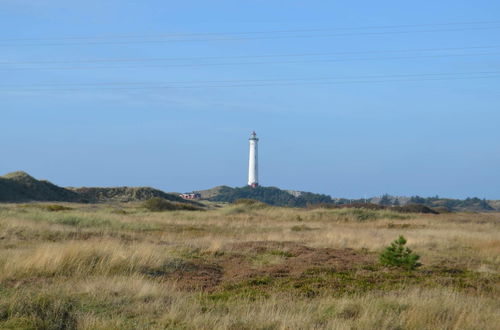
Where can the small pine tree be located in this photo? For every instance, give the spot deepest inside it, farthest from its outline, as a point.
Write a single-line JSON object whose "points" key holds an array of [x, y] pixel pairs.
{"points": [[397, 255]]}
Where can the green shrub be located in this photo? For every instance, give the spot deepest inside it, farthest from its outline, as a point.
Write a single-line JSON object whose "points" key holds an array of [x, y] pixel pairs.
{"points": [[398, 255], [47, 207], [442, 209], [157, 204], [55, 207], [414, 208]]}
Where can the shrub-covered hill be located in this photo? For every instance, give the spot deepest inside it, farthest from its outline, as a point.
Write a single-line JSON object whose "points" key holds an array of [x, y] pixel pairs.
{"points": [[468, 204], [270, 195], [122, 194], [21, 187], [438, 203]]}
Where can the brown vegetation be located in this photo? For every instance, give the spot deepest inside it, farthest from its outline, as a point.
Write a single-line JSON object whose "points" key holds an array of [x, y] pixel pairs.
{"points": [[244, 267]]}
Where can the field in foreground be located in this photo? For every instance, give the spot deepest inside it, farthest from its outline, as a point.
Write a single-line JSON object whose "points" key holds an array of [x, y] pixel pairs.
{"points": [[243, 267]]}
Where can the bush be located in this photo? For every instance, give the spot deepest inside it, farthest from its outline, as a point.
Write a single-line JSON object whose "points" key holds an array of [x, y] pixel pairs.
{"points": [[157, 204], [442, 209], [414, 208], [397, 255], [47, 207], [55, 207]]}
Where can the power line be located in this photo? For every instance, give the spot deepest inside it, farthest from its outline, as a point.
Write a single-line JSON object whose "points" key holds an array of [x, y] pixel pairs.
{"points": [[195, 58], [252, 85], [236, 38], [247, 63], [369, 27], [257, 82]]}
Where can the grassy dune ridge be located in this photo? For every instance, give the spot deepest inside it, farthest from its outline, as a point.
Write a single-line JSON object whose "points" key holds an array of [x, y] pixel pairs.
{"points": [[118, 266]]}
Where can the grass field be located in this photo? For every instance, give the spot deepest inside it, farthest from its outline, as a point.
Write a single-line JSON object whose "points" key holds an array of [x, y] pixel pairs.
{"points": [[243, 267]]}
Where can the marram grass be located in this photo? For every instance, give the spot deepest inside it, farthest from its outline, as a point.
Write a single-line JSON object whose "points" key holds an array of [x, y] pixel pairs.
{"points": [[242, 267]]}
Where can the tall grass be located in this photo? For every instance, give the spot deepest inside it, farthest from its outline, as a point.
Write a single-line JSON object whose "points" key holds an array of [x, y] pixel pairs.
{"points": [[126, 303], [81, 259], [91, 267], [41, 310]]}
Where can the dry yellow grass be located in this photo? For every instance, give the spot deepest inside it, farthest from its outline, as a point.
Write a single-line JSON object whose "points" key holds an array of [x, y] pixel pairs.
{"points": [[95, 268]]}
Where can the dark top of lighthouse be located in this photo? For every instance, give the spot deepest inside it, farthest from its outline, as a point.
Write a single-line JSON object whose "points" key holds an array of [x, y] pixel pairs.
{"points": [[253, 136]]}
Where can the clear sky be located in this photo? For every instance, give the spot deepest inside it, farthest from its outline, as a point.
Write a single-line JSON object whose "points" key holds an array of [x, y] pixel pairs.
{"points": [[349, 98]]}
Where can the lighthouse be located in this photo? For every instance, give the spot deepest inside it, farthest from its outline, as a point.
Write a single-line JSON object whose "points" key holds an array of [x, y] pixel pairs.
{"points": [[253, 173]]}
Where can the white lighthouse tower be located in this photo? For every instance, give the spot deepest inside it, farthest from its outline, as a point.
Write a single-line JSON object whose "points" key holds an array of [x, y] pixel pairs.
{"points": [[253, 173]]}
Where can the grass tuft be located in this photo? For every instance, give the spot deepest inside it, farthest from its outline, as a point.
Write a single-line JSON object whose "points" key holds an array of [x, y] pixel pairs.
{"points": [[38, 311]]}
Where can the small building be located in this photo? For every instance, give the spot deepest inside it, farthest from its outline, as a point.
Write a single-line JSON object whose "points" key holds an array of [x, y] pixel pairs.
{"points": [[190, 195]]}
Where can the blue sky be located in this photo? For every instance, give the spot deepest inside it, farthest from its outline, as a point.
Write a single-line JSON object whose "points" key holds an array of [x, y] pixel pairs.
{"points": [[367, 134]]}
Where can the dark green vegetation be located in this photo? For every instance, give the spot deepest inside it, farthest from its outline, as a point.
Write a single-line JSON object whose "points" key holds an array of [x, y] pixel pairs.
{"points": [[399, 255], [415, 208], [278, 197], [157, 204], [409, 208], [47, 207], [441, 205], [270, 195], [468, 204]]}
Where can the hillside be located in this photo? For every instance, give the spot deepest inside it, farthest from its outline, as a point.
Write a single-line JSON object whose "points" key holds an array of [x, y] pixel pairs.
{"points": [[122, 194], [269, 195], [21, 187], [210, 193], [495, 204], [279, 197], [456, 205]]}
